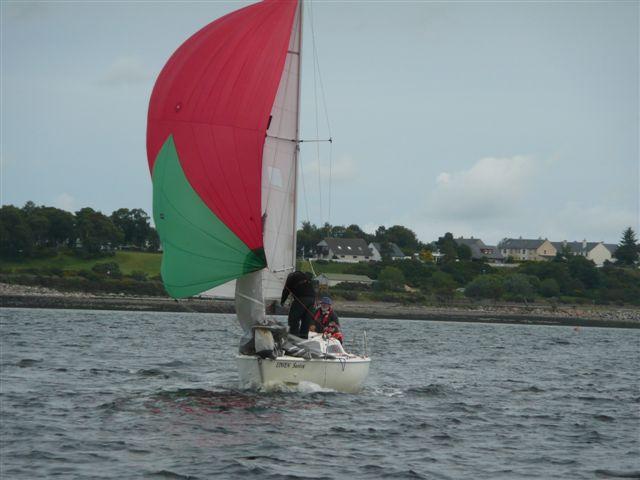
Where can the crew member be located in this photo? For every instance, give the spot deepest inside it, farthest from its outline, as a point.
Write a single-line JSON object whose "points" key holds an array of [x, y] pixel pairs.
{"points": [[300, 286], [326, 321]]}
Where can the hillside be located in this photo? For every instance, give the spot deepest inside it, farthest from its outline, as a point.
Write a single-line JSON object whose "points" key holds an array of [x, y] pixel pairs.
{"points": [[128, 261]]}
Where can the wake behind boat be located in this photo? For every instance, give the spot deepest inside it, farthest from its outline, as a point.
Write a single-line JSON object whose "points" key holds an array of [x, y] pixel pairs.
{"points": [[222, 144]]}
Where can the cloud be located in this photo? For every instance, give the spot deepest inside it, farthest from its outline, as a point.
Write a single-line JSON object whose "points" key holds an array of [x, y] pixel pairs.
{"points": [[66, 202], [342, 170], [491, 187], [574, 221], [125, 71]]}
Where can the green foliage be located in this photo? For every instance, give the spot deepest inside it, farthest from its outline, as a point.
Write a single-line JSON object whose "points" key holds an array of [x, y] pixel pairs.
{"points": [[405, 238], [549, 288], [390, 278], [16, 238], [96, 232], [628, 250], [138, 275], [134, 225], [448, 247], [485, 286], [108, 269], [517, 287], [464, 252]]}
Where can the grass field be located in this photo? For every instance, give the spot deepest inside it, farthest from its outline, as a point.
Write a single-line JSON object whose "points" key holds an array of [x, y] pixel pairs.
{"points": [[129, 262]]}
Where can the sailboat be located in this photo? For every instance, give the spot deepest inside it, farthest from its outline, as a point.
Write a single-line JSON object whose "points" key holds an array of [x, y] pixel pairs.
{"points": [[222, 145]]}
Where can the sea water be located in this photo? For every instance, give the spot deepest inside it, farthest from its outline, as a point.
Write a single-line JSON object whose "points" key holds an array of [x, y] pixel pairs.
{"points": [[114, 395]]}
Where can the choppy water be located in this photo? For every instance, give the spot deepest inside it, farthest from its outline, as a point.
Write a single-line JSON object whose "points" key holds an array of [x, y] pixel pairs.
{"points": [[88, 394]]}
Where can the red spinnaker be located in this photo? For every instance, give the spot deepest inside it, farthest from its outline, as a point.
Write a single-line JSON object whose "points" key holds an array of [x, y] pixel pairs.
{"points": [[214, 96]]}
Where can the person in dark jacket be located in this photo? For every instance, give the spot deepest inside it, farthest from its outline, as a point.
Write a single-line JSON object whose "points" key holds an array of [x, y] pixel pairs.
{"points": [[300, 286], [326, 321]]}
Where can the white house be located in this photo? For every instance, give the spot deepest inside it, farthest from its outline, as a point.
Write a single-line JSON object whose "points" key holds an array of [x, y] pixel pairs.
{"points": [[346, 250], [598, 252]]}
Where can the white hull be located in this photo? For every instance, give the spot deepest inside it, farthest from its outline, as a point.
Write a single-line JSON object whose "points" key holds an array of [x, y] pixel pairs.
{"points": [[343, 375]]}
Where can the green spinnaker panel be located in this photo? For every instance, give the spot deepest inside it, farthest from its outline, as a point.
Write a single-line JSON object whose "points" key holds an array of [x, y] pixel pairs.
{"points": [[199, 251]]}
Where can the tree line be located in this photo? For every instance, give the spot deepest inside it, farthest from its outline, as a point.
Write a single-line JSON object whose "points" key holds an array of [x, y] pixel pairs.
{"points": [[40, 231], [567, 277]]}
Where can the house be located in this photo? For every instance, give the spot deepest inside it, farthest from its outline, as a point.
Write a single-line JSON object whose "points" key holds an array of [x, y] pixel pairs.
{"points": [[598, 252], [527, 249], [394, 251], [346, 250], [333, 279], [480, 251]]}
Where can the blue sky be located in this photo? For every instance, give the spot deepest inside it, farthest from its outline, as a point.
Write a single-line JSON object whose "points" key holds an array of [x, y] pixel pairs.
{"points": [[491, 119]]}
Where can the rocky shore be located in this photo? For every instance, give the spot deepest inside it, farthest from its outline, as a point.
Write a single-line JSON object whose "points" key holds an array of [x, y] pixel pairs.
{"points": [[17, 296]]}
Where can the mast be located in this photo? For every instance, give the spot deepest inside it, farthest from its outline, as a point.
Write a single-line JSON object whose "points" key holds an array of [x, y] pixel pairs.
{"points": [[297, 137]]}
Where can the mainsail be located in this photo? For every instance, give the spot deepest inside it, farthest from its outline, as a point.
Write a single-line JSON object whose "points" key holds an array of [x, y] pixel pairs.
{"points": [[222, 146]]}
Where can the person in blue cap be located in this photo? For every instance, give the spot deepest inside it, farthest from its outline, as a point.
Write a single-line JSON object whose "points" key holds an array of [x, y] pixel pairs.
{"points": [[326, 321]]}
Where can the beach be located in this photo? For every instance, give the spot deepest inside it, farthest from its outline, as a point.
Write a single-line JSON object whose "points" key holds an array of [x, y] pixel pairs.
{"points": [[19, 296]]}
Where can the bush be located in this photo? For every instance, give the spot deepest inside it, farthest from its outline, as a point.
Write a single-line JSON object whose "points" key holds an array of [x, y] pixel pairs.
{"points": [[485, 286], [549, 288], [390, 278], [139, 276], [108, 269], [518, 288]]}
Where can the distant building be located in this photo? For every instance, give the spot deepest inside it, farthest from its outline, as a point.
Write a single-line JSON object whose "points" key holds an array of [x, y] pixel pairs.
{"points": [[394, 252], [347, 250], [527, 249], [598, 252], [480, 251], [333, 279]]}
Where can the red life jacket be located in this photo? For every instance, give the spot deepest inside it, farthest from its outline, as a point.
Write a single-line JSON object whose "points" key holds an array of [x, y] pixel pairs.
{"points": [[328, 326]]}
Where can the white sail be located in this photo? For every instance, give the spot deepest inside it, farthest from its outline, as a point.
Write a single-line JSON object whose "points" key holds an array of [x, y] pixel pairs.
{"points": [[279, 178], [279, 172]]}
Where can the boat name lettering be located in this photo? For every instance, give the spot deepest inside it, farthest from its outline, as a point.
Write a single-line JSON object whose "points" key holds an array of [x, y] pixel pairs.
{"points": [[289, 365]]}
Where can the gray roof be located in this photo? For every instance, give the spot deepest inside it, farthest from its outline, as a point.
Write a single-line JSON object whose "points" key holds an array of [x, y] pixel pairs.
{"points": [[575, 247], [521, 243], [479, 249], [612, 247], [395, 250], [347, 246]]}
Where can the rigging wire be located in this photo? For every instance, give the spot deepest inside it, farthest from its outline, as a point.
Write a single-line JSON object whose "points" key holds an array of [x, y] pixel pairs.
{"points": [[317, 81], [315, 96]]}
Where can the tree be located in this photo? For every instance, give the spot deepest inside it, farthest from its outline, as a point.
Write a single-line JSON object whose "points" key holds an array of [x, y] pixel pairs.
{"points": [[16, 240], [584, 270], [463, 251], [448, 247], [391, 278], [96, 232], [628, 249], [485, 286], [517, 287], [61, 227], [403, 237], [549, 288], [134, 225]]}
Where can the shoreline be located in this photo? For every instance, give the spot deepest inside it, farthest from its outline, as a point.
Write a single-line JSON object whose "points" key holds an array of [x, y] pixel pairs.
{"points": [[17, 296]]}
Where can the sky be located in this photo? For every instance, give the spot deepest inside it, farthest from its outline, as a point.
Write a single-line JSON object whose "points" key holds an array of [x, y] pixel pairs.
{"points": [[484, 119]]}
